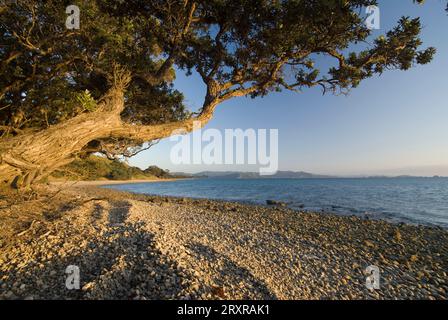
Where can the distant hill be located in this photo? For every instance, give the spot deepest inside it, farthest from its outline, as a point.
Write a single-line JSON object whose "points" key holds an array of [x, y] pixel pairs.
{"points": [[100, 168], [256, 175], [284, 175]]}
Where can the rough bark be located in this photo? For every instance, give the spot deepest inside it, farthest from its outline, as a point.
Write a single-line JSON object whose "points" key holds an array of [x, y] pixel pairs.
{"points": [[29, 157]]}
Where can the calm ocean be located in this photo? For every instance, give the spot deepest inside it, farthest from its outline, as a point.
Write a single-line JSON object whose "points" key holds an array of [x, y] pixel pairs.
{"points": [[410, 200]]}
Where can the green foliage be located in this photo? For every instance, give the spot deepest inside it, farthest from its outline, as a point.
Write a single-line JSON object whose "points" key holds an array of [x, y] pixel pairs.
{"points": [[241, 48], [158, 172], [119, 172], [91, 168], [98, 168], [46, 68], [86, 100]]}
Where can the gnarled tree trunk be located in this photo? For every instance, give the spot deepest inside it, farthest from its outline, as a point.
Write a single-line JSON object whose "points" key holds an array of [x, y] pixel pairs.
{"points": [[29, 157]]}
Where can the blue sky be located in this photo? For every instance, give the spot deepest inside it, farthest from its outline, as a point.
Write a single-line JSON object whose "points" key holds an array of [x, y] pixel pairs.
{"points": [[392, 124]]}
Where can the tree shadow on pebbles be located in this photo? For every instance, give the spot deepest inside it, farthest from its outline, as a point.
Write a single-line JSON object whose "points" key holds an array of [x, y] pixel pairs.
{"points": [[246, 284], [122, 263]]}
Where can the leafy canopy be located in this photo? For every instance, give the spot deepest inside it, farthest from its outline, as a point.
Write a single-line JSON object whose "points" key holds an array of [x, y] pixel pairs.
{"points": [[239, 47]]}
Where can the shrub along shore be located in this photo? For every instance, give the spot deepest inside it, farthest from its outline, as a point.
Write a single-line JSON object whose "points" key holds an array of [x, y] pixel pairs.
{"points": [[130, 246]]}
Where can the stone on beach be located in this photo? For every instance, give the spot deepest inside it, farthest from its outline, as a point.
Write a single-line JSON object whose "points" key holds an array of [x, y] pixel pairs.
{"points": [[130, 246]]}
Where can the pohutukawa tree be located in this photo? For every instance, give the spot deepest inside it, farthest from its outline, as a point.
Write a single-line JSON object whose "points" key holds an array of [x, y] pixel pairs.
{"points": [[108, 86]]}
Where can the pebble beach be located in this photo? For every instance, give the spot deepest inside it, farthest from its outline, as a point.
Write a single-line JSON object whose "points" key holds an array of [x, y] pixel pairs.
{"points": [[130, 246]]}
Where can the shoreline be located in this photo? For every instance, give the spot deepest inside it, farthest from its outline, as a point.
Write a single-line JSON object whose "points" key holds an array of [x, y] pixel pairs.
{"points": [[274, 204], [84, 183], [133, 246]]}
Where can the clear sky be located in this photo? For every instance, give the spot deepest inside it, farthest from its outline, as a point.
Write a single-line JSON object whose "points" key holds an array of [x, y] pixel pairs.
{"points": [[396, 123]]}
